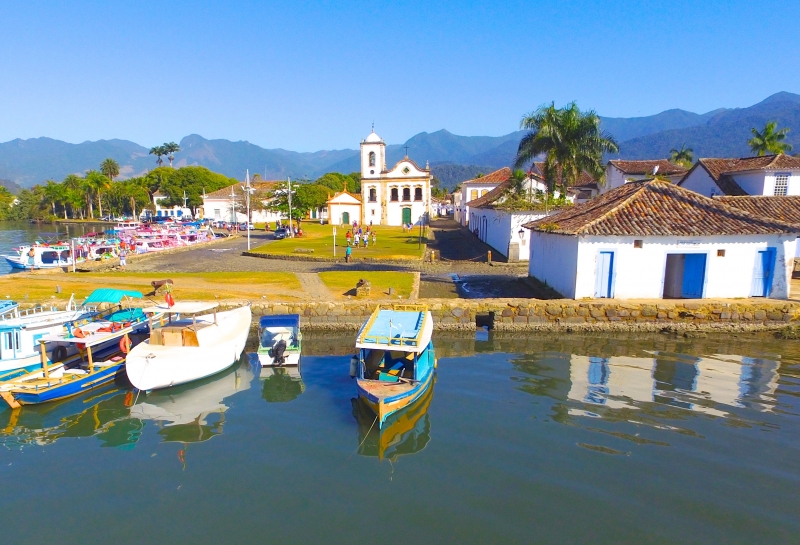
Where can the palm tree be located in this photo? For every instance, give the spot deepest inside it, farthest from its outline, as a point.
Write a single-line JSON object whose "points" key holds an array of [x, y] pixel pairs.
{"points": [[98, 183], [54, 193], [170, 149], [110, 168], [570, 140], [769, 141], [73, 193], [683, 156], [159, 152]]}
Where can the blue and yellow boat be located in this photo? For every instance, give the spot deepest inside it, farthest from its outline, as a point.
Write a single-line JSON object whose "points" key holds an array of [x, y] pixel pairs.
{"points": [[395, 361]]}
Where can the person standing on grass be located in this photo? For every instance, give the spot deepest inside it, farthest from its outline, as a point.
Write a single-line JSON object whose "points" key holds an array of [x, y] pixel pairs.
{"points": [[366, 240], [347, 236], [347, 253], [373, 238], [356, 239]]}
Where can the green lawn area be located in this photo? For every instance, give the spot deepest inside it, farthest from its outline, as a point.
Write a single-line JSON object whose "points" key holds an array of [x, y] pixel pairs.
{"points": [[340, 283], [392, 243], [204, 286]]}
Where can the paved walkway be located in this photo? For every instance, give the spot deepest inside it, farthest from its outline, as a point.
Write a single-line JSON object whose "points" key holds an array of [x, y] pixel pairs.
{"points": [[314, 287]]}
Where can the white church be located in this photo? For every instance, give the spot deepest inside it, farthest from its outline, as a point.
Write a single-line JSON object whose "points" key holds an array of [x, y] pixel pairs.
{"points": [[398, 196]]}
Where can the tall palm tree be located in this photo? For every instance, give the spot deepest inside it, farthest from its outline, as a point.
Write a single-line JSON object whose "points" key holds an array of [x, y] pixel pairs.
{"points": [[159, 152], [98, 183], [170, 149], [769, 141], [570, 140], [54, 193], [683, 156], [110, 168], [73, 193]]}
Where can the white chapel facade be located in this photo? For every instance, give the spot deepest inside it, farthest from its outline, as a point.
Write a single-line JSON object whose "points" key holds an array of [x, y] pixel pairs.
{"points": [[392, 197]]}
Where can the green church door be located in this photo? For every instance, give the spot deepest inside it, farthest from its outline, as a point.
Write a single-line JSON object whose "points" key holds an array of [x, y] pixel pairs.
{"points": [[345, 218], [406, 215]]}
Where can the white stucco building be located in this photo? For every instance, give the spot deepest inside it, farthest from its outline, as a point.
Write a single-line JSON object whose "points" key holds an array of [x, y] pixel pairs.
{"points": [[229, 204], [344, 208], [619, 172], [162, 211], [473, 189], [653, 239], [393, 196], [775, 175]]}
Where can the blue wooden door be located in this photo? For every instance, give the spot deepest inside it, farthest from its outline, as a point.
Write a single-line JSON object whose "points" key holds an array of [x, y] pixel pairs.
{"points": [[605, 272], [763, 273], [694, 275]]}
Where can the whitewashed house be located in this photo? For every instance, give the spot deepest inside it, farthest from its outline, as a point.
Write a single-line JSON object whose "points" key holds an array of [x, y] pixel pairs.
{"points": [[653, 239], [619, 172], [229, 204], [775, 175], [472, 189], [785, 209], [344, 208], [396, 196], [502, 228], [163, 211]]}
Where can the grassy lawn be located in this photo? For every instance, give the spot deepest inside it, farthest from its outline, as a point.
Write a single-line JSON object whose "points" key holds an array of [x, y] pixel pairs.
{"points": [[205, 286], [340, 283], [392, 243]]}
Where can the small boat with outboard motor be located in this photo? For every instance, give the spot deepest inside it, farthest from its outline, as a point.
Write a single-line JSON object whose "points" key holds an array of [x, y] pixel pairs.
{"points": [[395, 362], [280, 340]]}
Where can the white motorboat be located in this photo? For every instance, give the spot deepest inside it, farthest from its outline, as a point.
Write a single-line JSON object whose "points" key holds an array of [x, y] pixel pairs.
{"points": [[187, 345], [41, 256], [280, 340]]}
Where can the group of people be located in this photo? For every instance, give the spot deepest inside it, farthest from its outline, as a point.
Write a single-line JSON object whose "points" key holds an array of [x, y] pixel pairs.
{"points": [[408, 227], [358, 236]]}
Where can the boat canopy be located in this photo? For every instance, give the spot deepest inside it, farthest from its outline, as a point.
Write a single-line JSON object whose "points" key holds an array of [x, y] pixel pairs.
{"points": [[110, 295], [183, 307], [280, 320], [405, 328]]}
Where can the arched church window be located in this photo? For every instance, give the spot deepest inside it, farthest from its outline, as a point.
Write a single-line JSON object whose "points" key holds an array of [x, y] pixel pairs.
{"points": [[372, 158], [373, 195], [406, 193], [417, 193], [394, 194]]}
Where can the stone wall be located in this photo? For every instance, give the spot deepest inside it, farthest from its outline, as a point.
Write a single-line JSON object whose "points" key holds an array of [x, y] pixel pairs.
{"points": [[531, 314]]}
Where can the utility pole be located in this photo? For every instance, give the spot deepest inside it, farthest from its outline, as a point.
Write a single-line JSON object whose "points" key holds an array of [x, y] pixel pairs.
{"points": [[291, 229], [247, 189]]}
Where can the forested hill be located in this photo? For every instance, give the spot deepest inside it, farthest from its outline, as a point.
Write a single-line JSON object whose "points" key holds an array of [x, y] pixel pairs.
{"points": [[719, 133]]}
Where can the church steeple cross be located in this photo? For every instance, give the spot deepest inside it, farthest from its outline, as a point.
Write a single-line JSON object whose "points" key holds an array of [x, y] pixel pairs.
{"points": [[406, 150]]}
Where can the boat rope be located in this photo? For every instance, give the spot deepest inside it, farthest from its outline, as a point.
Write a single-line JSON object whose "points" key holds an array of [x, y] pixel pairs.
{"points": [[365, 437]]}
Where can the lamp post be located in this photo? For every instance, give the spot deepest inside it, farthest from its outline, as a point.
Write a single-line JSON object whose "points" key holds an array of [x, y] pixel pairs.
{"points": [[247, 189]]}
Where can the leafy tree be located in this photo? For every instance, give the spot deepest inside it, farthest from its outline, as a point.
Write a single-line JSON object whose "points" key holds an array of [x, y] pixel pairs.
{"points": [[7, 200], [279, 200], [769, 141], [354, 186], [191, 180], [311, 196], [73, 193], [54, 193], [170, 149], [110, 168], [683, 156], [570, 140]]}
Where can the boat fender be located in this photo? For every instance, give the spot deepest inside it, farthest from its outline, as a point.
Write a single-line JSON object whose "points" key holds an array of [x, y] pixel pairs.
{"points": [[59, 354], [353, 366], [125, 344], [78, 333]]}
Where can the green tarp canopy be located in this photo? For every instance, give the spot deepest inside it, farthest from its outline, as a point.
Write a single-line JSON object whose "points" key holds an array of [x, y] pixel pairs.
{"points": [[110, 295]]}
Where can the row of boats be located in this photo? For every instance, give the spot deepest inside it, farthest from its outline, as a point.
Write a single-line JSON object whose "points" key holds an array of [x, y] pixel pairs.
{"points": [[48, 355], [50, 251]]}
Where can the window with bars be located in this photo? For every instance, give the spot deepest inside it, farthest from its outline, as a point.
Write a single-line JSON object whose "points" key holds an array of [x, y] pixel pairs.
{"points": [[781, 185]]}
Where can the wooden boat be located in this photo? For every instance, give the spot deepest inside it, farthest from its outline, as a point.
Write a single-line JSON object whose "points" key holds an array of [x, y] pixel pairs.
{"points": [[188, 345], [405, 432], [279, 340], [395, 363], [45, 256], [103, 359]]}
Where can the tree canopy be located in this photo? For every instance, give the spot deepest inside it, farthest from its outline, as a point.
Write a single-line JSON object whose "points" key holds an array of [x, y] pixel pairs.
{"points": [[769, 141], [341, 182]]}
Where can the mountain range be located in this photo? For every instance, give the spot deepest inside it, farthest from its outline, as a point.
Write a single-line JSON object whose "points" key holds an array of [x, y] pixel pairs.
{"points": [[720, 133]]}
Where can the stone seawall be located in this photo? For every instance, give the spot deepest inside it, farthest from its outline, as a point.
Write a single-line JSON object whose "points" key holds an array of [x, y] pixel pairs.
{"points": [[531, 315]]}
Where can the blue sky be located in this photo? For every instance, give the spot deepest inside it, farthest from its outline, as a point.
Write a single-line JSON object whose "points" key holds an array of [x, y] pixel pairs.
{"points": [[314, 75]]}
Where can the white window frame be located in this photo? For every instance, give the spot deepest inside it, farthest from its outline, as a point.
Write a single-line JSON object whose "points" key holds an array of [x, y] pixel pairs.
{"points": [[782, 189]]}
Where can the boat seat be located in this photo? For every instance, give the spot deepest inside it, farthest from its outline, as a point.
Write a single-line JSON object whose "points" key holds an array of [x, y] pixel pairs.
{"points": [[386, 377]]}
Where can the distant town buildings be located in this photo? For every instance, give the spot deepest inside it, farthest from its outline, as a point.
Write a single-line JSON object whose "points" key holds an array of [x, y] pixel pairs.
{"points": [[774, 175]]}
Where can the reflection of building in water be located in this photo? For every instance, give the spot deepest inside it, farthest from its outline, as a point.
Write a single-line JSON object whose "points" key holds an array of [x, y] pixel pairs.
{"points": [[281, 384], [194, 412], [678, 380], [405, 432]]}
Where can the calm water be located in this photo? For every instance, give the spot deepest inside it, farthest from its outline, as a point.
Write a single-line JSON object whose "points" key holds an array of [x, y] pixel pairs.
{"points": [[14, 233], [537, 440]]}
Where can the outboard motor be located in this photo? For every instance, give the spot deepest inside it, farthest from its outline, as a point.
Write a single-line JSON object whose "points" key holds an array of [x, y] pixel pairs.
{"points": [[353, 366], [278, 352]]}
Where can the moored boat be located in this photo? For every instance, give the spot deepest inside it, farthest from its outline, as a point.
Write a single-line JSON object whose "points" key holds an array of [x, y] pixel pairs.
{"points": [[279, 340], [188, 345], [395, 361], [40, 256]]}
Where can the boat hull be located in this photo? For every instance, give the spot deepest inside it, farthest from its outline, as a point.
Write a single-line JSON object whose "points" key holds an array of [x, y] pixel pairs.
{"points": [[153, 367], [70, 388], [292, 358], [385, 407]]}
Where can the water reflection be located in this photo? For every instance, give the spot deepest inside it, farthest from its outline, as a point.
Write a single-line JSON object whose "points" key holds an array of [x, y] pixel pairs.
{"points": [[195, 412], [281, 384], [704, 384], [406, 432]]}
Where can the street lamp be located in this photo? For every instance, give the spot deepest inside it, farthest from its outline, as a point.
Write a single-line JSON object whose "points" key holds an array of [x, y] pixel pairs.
{"points": [[248, 189]]}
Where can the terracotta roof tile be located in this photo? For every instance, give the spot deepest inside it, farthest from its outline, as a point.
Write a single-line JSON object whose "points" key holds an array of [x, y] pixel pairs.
{"points": [[718, 167], [490, 197], [657, 208], [493, 177], [645, 168], [785, 209]]}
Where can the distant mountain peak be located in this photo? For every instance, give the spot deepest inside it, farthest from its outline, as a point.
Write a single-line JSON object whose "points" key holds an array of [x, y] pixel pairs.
{"points": [[783, 96]]}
